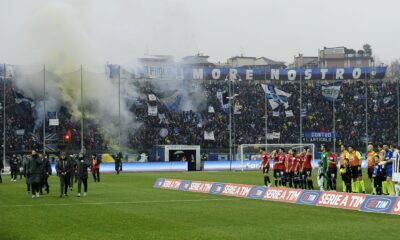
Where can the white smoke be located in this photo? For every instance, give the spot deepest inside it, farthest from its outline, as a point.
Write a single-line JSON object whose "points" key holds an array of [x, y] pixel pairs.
{"points": [[64, 35]]}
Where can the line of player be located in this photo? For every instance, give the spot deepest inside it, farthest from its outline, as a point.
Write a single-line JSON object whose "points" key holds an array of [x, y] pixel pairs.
{"points": [[294, 169]]}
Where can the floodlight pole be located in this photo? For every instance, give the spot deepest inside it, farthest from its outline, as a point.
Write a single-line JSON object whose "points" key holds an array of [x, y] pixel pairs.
{"points": [[398, 108], [230, 122], [44, 110], [119, 108], [334, 119], [266, 111], [4, 116], [366, 111], [301, 109], [82, 110]]}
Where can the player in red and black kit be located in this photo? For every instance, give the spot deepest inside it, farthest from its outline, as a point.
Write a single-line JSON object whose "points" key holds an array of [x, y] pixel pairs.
{"points": [[265, 167], [300, 168], [279, 160], [284, 160], [291, 167], [332, 170], [307, 169]]}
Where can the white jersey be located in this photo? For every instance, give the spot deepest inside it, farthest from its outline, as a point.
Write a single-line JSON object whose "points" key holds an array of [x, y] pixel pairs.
{"points": [[396, 166]]}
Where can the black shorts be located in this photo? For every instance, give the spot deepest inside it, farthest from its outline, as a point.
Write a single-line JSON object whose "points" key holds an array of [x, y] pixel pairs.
{"points": [[295, 175], [277, 173], [355, 172], [370, 172], [307, 172], [332, 171], [265, 169]]}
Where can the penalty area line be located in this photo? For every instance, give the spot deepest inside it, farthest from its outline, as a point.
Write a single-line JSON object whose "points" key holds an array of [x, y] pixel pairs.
{"points": [[133, 202]]}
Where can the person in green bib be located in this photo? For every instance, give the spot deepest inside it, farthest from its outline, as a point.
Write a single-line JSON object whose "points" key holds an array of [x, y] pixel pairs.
{"points": [[324, 159]]}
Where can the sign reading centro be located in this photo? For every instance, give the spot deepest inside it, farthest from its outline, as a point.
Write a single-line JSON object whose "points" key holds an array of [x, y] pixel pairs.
{"points": [[353, 201]]}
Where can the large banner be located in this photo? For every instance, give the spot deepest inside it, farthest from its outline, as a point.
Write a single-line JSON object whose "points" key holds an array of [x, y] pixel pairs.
{"points": [[244, 73], [351, 201]]}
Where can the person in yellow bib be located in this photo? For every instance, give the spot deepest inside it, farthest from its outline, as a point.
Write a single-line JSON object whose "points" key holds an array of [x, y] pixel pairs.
{"points": [[344, 154], [356, 172], [371, 164]]}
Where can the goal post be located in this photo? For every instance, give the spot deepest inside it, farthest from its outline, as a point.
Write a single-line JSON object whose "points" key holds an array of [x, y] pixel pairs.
{"points": [[251, 151]]}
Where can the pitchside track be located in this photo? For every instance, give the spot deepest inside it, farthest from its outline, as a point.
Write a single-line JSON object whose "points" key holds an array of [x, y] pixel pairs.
{"points": [[128, 207]]}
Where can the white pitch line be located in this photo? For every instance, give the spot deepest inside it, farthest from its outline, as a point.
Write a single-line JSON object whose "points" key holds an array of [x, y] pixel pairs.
{"points": [[105, 203]]}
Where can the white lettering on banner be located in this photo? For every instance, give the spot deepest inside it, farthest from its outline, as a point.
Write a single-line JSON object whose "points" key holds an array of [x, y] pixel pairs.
{"points": [[282, 194], [273, 194], [382, 204], [236, 190], [341, 200], [197, 73], [274, 74], [249, 74], [307, 74], [173, 184], [357, 201], [216, 73], [356, 73], [330, 199], [293, 195], [339, 73], [321, 134], [396, 209], [232, 74], [200, 187], [323, 73], [292, 75], [344, 201]]}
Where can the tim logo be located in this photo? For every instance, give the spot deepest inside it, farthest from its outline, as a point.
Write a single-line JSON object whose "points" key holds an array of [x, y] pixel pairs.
{"points": [[378, 204], [217, 188], [309, 197], [185, 185], [159, 182], [257, 192]]}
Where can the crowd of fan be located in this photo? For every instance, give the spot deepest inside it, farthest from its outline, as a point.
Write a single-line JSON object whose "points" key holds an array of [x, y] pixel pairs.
{"points": [[24, 131], [248, 124]]}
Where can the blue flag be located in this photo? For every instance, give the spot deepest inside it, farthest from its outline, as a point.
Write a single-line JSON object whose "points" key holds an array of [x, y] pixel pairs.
{"points": [[276, 97]]}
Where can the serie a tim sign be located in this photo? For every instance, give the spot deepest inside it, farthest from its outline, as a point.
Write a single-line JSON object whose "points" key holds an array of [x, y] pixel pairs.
{"points": [[244, 73]]}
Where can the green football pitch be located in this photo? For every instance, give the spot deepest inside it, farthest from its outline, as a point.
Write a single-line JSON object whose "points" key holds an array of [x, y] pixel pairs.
{"points": [[127, 206]]}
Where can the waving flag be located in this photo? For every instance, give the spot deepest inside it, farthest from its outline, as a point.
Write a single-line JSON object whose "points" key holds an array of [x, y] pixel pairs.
{"points": [[276, 97], [223, 99], [331, 92], [173, 101], [19, 98]]}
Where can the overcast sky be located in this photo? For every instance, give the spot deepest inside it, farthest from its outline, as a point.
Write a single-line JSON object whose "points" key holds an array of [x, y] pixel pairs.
{"points": [[119, 31]]}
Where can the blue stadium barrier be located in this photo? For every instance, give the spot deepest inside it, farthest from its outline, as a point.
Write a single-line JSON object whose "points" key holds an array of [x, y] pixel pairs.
{"points": [[143, 167]]}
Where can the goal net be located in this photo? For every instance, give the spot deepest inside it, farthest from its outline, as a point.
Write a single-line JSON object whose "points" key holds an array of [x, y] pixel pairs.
{"points": [[248, 152]]}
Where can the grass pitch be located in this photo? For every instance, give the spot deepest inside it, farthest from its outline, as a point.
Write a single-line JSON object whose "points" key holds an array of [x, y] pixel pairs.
{"points": [[128, 207]]}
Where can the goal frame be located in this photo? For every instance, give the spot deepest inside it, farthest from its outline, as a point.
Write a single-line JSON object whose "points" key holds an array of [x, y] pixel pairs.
{"points": [[272, 145]]}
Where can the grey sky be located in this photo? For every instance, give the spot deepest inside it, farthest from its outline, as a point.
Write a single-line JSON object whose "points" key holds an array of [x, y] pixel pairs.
{"points": [[119, 31]]}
